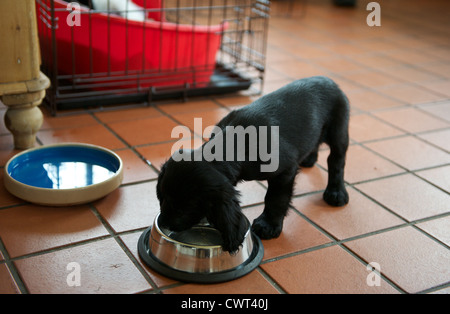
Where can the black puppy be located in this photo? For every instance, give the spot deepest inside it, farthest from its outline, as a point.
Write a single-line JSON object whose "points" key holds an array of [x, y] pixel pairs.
{"points": [[303, 115]]}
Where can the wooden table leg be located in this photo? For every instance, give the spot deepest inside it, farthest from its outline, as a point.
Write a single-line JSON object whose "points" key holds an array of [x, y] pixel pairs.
{"points": [[22, 85]]}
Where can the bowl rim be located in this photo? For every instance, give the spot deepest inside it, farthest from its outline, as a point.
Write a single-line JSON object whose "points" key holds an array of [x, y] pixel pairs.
{"points": [[13, 185]]}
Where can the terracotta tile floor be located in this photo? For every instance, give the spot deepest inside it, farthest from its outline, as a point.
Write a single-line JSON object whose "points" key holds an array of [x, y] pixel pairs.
{"points": [[398, 171]]}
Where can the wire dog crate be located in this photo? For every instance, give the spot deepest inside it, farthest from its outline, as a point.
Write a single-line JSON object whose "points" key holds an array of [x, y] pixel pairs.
{"points": [[150, 49]]}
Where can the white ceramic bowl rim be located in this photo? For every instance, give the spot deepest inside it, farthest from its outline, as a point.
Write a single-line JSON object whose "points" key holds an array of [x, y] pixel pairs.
{"points": [[64, 196], [81, 145]]}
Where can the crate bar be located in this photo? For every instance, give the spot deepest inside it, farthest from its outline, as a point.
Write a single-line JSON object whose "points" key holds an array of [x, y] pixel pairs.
{"points": [[54, 55], [194, 17], [126, 39], [91, 53], [161, 39], [177, 32], [109, 36], [144, 41]]}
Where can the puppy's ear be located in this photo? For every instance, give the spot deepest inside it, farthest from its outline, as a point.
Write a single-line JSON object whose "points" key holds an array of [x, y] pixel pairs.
{"points": [[226, 216], [160, 177]]}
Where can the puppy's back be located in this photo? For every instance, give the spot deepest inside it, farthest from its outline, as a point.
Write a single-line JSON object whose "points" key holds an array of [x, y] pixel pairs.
{"points": [[305, 101]]}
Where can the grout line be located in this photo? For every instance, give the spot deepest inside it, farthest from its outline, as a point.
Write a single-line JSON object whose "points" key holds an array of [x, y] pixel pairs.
{"points": [[61, 247], [122, 245], [365, 263], [172, 285], [434, 289], [394, 162], [13, 206], [430, 235], [136, 263], [429, 182], [406, 170], [419, 107], [132, 148], [271, 280], [300, 252], [12, 269], [406, 222], [406, 133]]}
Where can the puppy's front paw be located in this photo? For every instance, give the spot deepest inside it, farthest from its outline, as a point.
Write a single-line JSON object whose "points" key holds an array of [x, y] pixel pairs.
{"points": [[266, 230], [231, 247], [336, 197]]}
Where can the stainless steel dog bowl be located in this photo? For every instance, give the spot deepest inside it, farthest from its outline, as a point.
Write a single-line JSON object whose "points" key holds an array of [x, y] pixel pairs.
{"points": [[196, 255]]}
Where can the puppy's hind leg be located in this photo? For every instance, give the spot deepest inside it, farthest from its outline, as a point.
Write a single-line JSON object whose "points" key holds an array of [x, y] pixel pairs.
{"points": [[278, 197], [335, 193]]}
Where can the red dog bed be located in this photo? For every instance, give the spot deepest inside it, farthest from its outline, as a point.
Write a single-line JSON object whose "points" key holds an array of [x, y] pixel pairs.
{"points": [[108, 51]]}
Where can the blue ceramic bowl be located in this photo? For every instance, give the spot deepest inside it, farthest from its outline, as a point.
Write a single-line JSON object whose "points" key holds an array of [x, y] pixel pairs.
{"points": [[63, 174]]}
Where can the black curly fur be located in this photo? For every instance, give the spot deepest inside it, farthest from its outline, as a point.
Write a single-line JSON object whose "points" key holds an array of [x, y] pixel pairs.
{"points": [[308, 112]]}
